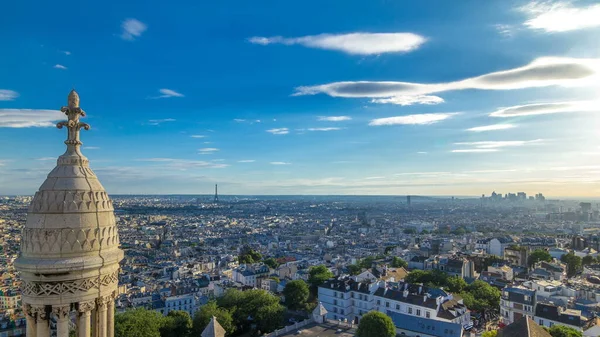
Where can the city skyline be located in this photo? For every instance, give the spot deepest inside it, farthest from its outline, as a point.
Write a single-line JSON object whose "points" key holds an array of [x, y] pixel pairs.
{"points": [[367, 98]]}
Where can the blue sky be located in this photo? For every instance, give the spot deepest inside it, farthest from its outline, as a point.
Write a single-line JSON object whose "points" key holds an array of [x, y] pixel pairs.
{"points": [[307, 97]]}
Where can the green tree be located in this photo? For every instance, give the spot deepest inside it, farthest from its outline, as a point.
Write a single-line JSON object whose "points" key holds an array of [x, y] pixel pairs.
{"points": [[206, 312], [271, 262], [138, 323], [456, 284], [398, 263], [537, 256], [573, 263], [256, 305], [376, 324], [317, 275], [354, 269], [177, 324], [367, 262], [249, 255], [563, 331], [481, 296], [409, 231], [388, 250], [491, 333], [587, 260], [296, 294]]}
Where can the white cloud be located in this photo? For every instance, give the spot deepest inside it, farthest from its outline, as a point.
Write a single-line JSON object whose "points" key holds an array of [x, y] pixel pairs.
{"points": [[198, 136], [409, 100], [132, 28], [183, 163], [8, 95], [421, 119], [66, 52], [560, 16], [167, 93], [60, 66], [160, 121], [546, 108], [279, 131], [422, 152], [91, 148], [324, 129], [25, 118], [334, 118], [239, 120], [279, 163], [474, 150], [46, 158], [207, 150], [505, 30], [499, 144], [491, 127], [246, 161], [353, 43], [374, 178], [542, 72]]}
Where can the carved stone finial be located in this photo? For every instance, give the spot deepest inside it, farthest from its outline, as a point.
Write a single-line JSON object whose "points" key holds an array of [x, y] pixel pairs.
{"points": [[61, 312], [73, 112], [86, 306], [73, 99]]}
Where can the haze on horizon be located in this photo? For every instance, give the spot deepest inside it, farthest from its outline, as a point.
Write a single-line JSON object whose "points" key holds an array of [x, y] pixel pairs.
{"points": [[278, 98]]}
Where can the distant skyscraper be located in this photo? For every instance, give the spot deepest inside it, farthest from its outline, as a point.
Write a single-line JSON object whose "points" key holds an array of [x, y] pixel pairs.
{"points": [[408, 200], [216, 194]]}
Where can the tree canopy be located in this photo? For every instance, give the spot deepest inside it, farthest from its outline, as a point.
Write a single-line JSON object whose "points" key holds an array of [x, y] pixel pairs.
{"points": [[398, 263], [318, 274], [481, 296], [271, 262], [249, 255], [138, 323], [574, 263], [296, 294], [537, 256], [376, 324], [587, 260], [354, 269], [563, 331], [176, 324], [491, 333], [253, 306], [206, 312]]}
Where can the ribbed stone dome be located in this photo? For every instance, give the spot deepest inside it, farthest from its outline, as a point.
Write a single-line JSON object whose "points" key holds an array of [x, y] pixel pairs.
{"points": [[70, 245]]}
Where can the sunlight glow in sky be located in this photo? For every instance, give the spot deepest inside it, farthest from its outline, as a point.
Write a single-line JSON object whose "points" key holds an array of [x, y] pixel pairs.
{"points": [[308, 97]]}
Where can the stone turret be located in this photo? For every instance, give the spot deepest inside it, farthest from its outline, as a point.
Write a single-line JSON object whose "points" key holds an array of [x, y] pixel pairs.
{"points": [[69, 258]]}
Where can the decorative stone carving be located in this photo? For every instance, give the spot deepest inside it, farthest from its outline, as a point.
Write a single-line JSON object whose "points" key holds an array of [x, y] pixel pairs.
{"points": [[28, 310], [86, 306], [102, 302], [68, 240], [72, 287], [70, 202], [61, 312], [40, 312]]}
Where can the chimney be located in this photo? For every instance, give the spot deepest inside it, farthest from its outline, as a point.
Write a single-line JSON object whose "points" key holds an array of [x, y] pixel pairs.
{"points": [[424, 298], [405, 293]]}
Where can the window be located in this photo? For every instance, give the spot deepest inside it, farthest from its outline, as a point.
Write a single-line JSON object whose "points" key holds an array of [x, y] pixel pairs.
{"points": [[541, 322], [378, 302], [387, 304], [410, 310], [418, 312], [427, 314], [352, 295], [334, 294], [342, 311], [397, 306]]}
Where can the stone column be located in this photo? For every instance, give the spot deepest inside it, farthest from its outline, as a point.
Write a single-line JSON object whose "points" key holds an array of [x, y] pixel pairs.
{"points": [[84, 328], [30, 317], [110, 318], [62, 314], [94, 321], [42, 326], [101, 307]]}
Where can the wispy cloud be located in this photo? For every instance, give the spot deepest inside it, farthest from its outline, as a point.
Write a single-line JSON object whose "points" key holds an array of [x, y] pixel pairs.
{"points": [[198, 136], [132, 28], [474, 150], [46, 158], [499, 144], [353, 43], [246, 161], [183, 163], [167, 93], [249, 121], [8, 95], [324, 129], [422, 152], [505, 30], [334, 118], [491, 127], [542, 72], [26, 118], [279, 163], [409, 100], [546, 108], [374, 178], [279, 131], [207, 150], [421, 119], [560, 16], [66, 52], [160, 121], [91, 148], [60, 66]]}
